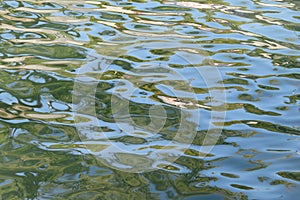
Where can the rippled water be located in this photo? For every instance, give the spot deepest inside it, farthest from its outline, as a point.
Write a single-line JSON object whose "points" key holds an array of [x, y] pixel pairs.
{"points": [[69, 67]]}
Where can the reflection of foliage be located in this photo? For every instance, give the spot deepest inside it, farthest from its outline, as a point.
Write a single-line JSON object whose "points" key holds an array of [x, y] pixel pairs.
{"points": [[252, 109], [36, 171], [50, 51], [238, 81], [273, 127], [31, 91], [170, 8], [290, 175], [277, 59], [42, 159], [61, 90]]}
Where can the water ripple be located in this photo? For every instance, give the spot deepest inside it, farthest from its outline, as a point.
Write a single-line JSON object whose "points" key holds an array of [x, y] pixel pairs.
{"points": [[153, 48]]}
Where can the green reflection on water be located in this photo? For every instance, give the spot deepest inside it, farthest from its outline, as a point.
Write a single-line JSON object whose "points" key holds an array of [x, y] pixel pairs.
{"points": [[44, 44]]}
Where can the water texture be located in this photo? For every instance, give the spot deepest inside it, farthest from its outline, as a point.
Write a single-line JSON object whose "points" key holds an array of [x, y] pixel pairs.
{"points": [[64, 66]]}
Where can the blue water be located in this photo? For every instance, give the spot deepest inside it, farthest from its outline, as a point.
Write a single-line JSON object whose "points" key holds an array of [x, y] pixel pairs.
{"points": [[149, 99]]}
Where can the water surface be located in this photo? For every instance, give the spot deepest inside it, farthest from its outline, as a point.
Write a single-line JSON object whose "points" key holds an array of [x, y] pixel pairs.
{"points": [[153, 49]]}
